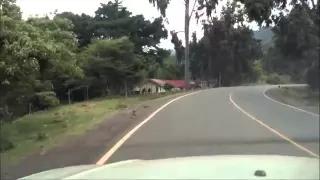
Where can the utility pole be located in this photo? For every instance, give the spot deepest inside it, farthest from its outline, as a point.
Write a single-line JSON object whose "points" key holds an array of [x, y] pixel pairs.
{"points": [[219, 79], [186, 53], [1, 13], [187, 16]]}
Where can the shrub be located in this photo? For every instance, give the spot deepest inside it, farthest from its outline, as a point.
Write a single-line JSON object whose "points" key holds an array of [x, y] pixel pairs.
{"points": [[312, 76], [46, 100], [168, 86], [41, 136], [5, 144], [275, 78], [121, 106], [5, 115], [257, 71]]}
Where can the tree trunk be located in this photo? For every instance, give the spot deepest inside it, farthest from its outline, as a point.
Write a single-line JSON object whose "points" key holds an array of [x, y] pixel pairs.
{"points": [[186, 53], [30, 108], [313, 4], [105, 85], [69, 98], [87, 96], [126, 89]]}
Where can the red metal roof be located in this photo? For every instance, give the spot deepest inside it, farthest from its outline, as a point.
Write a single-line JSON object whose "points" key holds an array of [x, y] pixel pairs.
{"points": [[175, 83], [158, 81]]}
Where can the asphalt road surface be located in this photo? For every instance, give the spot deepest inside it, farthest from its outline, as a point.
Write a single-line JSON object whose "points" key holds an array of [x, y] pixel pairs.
{"points": [[209, 123]]}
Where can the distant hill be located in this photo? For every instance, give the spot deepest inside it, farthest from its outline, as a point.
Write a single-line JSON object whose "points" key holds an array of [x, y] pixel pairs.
{"points": [[173, 52], [264, 34]]}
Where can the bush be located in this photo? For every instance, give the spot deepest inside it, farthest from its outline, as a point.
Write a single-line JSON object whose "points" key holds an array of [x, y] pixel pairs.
{"points": [[46, 100], [275, 78], [168, 87], [121, 106], [5, 114], [41, 136], [5, 144], [312, 76], [257, 71]]}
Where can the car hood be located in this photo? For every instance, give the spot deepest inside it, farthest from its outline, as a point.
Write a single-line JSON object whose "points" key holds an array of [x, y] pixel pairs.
{"points": [[201, 167]]}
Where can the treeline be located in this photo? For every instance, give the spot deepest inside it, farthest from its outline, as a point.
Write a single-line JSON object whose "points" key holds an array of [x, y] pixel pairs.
{"points": [[229, 55], [294, 50], [47, 61], [227, 51]]}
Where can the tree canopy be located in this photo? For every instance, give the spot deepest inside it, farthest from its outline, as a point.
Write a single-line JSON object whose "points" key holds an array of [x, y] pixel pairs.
{"points": [[293, 51], [47, 60]]}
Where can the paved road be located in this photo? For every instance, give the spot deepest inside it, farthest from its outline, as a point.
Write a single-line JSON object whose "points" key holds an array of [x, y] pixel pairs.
{"points": [[207, 123]]}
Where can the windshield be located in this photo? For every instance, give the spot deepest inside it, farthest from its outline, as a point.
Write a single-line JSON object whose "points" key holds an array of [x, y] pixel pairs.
{"points": [[96, 82]]}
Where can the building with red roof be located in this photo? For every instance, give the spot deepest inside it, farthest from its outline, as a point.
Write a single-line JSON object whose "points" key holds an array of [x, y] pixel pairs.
{"points": [[157, 85], [175, 83]]}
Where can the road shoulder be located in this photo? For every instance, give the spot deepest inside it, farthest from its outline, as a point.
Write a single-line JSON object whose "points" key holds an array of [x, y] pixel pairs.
{"points": [[86, 148], [299, 97]]}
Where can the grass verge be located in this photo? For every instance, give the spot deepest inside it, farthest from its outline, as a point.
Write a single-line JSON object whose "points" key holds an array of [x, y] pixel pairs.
{"points": [[302, 97], [43, 130]]}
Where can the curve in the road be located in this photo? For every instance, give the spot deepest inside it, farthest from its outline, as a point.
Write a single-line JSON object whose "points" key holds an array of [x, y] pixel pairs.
{"points": [[273, 130], [264, 93], [106, 156]]}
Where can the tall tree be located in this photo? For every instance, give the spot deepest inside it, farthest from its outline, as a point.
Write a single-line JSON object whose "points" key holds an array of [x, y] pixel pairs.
{"points": [[109, 64], [226, 51], [296, 42], [83, 27], [35, 55]]}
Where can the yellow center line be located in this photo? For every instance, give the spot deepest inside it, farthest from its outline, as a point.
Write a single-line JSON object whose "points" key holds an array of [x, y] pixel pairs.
{"points": [[274, 131]]}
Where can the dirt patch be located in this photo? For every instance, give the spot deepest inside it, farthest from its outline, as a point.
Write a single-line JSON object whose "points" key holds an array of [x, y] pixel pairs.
{"points": [[84, 107], [86, 148]]}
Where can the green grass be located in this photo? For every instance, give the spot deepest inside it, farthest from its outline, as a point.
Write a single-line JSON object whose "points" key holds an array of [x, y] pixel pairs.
{"points": [[302, 94], [43, 130]]}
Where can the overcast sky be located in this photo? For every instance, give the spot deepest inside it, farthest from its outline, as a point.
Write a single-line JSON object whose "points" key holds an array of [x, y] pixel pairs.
{"points": [[175, 12]]}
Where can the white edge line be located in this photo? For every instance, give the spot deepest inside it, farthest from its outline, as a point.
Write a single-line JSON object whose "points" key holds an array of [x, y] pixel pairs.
{"points": [[273, 130], [264, 93], [105, 157]]}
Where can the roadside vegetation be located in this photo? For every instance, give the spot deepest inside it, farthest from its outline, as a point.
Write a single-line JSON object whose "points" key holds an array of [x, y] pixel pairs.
{"points": [[44, 129], [48, 65], [287, 49], [302, 97]]}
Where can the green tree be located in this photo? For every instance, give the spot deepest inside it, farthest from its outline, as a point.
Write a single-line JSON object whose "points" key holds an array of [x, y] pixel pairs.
{"points": [[296, 41], [227, 50], [34, 54], [112, 21], [112, 63], [197, 8], [83, 26]]}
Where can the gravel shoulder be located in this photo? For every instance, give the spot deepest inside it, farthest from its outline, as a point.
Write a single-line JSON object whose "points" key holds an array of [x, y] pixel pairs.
{"points": [[86, 148], [300, 97]]}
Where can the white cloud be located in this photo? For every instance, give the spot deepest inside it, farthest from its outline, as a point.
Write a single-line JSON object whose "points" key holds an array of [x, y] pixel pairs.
{"points": [[175, 12]]}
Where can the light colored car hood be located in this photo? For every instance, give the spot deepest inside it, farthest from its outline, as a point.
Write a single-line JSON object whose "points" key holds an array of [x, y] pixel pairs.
{"points": [[201, 167]]}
